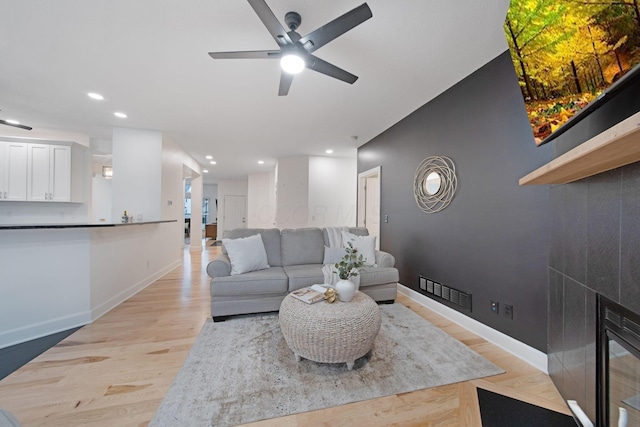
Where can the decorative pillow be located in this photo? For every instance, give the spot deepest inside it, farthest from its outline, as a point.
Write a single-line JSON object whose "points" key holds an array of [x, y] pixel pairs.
{"points": [[246, 254], [333, 255], [366, 246]]}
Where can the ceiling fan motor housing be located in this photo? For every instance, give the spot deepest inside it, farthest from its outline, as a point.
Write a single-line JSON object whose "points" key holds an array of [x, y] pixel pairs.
{"points": [[293, 20]]}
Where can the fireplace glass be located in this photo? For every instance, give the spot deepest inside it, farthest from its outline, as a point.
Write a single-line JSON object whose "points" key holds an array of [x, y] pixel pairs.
{"points": [[619, 363]]}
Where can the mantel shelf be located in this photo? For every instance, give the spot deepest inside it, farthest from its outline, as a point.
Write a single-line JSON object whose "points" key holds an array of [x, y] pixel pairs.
{"points": [[615, 147]]}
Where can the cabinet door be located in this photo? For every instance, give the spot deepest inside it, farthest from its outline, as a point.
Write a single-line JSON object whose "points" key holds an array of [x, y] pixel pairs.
{"points": [[60, 173], [38, 173], [15, 172]]}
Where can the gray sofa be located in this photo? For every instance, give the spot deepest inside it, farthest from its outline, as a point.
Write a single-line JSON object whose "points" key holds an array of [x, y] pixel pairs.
{"points": [[295, 257]]}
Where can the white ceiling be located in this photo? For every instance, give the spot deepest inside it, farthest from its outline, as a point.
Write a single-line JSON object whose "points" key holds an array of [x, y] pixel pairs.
{"points": [[149, 59]]}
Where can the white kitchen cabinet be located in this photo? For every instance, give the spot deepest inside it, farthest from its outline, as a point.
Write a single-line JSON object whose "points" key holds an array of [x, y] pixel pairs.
{"points": [[49, 173], [13, 171]]}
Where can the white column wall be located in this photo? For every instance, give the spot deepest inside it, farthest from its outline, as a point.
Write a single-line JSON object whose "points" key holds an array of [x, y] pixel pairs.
{"points": [[333, 184], [293, 192], [137, 172], [261, 200]]}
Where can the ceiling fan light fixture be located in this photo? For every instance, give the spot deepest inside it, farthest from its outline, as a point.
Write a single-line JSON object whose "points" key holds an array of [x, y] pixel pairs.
{"points": [[292, 64]]}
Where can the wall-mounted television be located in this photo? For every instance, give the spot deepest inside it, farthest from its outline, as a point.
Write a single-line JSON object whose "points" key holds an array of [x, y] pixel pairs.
{"points": [[571, 57]]}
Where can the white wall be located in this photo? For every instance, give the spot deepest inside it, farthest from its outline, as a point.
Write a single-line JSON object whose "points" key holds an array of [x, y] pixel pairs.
{"points": [[176, 165], [292, 192], [137, 172], [333, 184], [261, 200], [228, 188]]}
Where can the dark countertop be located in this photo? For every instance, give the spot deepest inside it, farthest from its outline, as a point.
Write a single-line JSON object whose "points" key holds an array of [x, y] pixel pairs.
{"points": [[80, 225]]}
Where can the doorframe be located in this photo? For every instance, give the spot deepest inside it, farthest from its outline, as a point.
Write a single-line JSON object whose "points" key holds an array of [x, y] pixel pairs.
{"points": [[361, 214]]}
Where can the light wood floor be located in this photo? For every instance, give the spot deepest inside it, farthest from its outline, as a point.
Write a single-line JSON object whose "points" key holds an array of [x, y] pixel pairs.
{"points": [[116, 371]]}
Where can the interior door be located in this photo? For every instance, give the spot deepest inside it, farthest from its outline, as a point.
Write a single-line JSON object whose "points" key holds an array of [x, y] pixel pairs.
{"points": [[372, 206], [235, 208]]}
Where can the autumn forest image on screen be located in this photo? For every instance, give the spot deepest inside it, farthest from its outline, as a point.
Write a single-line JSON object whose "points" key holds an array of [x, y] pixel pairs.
{"points": [[566, 52]]}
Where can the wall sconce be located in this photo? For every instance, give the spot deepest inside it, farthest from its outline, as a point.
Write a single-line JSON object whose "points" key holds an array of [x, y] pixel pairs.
{"points": [[107, 172]]}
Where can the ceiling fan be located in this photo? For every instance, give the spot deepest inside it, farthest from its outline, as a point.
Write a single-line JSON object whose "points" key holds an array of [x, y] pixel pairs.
{"points": [[295, 52], [15, 124]]}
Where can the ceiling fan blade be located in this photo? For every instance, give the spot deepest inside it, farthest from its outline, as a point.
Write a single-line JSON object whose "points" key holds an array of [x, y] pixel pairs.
{"points": [[248, 54], [323, 35], [285, 83], [4, 122], [316, 64], [270, 21]]}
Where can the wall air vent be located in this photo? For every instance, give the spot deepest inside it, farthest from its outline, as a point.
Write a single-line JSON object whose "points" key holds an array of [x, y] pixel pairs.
{"points": [[454, 298]]}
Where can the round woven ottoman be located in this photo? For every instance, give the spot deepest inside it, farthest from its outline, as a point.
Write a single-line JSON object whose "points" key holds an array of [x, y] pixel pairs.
{"points": [[330, 333]]}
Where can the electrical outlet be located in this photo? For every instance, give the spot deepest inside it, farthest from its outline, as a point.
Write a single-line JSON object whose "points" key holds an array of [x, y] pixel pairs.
{"points": [[423, 284], [386, 218], [495, 307], [508, 311]]}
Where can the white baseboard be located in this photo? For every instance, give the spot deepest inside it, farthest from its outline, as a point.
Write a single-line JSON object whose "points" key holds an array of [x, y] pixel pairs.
{"points": [[42, 329], [103, 308], [532, 356]]}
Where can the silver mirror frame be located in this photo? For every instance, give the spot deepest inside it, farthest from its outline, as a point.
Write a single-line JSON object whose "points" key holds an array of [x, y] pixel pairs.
{"points": [[446, 170]]}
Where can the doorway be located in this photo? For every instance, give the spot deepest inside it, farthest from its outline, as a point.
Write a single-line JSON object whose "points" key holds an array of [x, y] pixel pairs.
{"points": [[369, 202]]}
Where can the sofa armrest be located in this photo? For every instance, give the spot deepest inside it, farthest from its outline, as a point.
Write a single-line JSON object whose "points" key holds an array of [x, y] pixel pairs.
{"points": [[220, 266], [385, 259]]}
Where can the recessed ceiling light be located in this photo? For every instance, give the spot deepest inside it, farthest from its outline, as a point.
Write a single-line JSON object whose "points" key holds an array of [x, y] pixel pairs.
{"points": [[121, 115], [208, 157], [212, 162], [261, 162], [205, 171], [329, 151], [13, 122], [95, 96]]}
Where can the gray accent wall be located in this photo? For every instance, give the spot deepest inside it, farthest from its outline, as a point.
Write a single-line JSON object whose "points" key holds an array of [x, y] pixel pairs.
{"points": [[493, 239]]}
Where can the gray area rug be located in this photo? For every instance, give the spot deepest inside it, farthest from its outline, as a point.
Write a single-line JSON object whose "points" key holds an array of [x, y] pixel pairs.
{"points": [[241, 370]]}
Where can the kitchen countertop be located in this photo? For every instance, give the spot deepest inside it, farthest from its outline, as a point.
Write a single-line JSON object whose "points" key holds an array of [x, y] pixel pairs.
{"points": [[78, 225]]}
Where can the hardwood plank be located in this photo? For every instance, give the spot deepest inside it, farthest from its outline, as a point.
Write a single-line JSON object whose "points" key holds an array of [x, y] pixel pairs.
{"points": [[116, 371]]}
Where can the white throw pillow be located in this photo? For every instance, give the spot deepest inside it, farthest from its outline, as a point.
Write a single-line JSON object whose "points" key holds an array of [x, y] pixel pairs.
{"points": [[366, 246], [333, 255], [246, 254]]}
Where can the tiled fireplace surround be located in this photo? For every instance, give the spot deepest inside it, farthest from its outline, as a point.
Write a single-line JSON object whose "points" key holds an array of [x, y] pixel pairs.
{"points": [[594, 249]]}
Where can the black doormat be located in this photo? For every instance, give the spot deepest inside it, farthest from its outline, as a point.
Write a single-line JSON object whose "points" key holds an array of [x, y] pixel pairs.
{"points": [[216, 243], [497, 410]]}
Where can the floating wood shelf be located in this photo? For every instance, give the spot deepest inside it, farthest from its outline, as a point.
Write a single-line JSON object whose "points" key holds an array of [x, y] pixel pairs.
{"points": [[615, 147]]}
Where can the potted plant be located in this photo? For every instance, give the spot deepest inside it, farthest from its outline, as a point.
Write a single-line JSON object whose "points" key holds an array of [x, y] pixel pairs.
{"points": [[347, 268]]}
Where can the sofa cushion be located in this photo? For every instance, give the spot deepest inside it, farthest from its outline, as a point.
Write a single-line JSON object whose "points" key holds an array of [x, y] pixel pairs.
{"points": [[270, 238], [264, 282], [378, 275], [246, 254], [366, 246], [358, 231], [304, 275], [333, 255], [302, 246]]}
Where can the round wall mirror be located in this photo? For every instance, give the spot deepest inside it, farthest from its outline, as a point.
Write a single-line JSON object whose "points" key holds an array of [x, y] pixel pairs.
{"points": [[432, 183], [435, 183]]}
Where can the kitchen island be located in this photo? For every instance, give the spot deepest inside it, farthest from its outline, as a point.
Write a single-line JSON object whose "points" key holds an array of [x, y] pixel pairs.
{"points": [[59, 276]]}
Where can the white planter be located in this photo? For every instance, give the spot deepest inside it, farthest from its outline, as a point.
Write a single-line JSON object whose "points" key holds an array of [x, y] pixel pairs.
{"points": [[346, 290]]}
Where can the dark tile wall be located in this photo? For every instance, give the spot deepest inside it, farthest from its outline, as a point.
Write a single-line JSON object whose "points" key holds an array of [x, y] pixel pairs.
{"points": [[594, 249]]}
